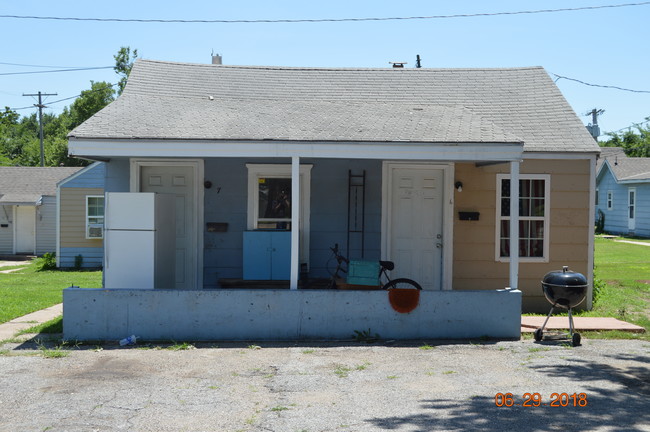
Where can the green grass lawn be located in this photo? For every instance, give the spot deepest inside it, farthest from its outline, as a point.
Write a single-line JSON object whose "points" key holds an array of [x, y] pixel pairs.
{"points": [[624, 272], [29, 290]]}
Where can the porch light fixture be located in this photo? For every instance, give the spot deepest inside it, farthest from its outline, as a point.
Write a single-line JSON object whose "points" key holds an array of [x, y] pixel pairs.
{"points": [[459, 186]]}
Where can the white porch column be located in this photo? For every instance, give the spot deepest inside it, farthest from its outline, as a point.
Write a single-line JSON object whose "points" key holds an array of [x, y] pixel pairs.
{"points": [[295, 222], [514, 225]]}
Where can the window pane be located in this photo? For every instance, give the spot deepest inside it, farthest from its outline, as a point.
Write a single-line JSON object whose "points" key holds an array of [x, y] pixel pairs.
{"points": [[505, 206], [536, 229], [505, 188], [274, 198], [505, 248], [524, 188], [536, 248], [524, 207], [537, 207], [537, 189], [524, 229]]}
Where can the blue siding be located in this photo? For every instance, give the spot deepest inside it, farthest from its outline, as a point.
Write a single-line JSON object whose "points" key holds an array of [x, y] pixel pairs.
{"points": [[117, 175], [616, 219], [91, 177], [92, 257], [226, 201]]}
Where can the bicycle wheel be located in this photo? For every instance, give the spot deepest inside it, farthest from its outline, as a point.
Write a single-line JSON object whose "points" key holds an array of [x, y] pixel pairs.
{"points": [[402, 283]]}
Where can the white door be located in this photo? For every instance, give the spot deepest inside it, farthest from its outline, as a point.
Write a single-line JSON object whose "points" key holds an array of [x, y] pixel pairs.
{"points": [[631, 209], [179, 181], [25, 221], [416, 225]]}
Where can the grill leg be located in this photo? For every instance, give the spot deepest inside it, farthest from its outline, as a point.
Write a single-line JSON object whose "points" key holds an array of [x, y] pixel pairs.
{"points": [[570, 323], [548, 316]]}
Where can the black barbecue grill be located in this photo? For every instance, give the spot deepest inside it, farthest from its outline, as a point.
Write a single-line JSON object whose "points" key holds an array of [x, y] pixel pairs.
{"points": [[564, 289]]}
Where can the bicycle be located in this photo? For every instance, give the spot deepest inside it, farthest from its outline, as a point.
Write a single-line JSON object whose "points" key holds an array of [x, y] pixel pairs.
{"points": [[384, 268]]}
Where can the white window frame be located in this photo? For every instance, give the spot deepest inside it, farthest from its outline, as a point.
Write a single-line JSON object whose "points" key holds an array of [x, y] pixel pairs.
{"points": [[610, 200], [88, 217], [546, 218], [257, 171], [631, 207]]}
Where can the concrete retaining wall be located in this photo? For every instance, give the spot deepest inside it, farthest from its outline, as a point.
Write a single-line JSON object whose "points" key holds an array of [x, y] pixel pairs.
{"points": [[267, 314]]}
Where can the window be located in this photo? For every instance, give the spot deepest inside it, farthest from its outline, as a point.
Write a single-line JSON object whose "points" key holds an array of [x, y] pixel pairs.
{"points": [[94, 217], [533, 217], [610, 200], [631, 203], [597, 191], [269, 200], [274, 203]]}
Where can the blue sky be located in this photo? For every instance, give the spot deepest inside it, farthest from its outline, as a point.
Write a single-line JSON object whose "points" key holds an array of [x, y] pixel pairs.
{"points": [[602, 46]]}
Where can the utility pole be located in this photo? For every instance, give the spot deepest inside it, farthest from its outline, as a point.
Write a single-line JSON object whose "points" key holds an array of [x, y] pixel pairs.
{"points": [[40, 119], [593, 128]]}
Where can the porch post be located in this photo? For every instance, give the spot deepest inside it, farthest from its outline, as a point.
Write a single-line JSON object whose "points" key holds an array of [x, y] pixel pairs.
{"points": [[295, 221], [514, 225]]}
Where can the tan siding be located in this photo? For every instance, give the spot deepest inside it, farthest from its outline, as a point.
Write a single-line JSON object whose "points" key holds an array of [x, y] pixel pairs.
{"points": [[73, 217], [475, 265]]}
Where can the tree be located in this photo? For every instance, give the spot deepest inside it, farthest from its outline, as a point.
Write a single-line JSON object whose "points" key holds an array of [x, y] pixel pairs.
{"points": [[89, 102], [634, 143], [123, 65]]}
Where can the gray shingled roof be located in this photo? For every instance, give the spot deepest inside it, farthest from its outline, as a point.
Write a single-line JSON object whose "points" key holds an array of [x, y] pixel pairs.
{"points": [[180, 101], [26, 185], [624, 168]]}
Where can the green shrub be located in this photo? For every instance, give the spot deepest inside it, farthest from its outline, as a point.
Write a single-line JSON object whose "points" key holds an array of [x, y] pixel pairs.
{"points": [[599, 286], [46, 262], [78, 262], [600, 222]]}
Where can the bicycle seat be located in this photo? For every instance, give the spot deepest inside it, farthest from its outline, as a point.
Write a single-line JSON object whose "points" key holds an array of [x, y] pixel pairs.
{"points": [[388, 265]]}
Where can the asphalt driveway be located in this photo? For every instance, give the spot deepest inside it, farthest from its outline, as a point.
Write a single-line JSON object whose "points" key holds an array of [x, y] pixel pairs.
{"points": [[329, 387]]}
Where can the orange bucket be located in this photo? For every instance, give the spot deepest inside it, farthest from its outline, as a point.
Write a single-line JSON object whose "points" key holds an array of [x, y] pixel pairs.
{"points": [[404, 300]]}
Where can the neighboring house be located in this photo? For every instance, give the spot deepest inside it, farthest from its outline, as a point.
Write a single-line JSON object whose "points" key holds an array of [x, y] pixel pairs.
{"points": [[28, 209], [81, 218], [275, 164], [623, 193]]}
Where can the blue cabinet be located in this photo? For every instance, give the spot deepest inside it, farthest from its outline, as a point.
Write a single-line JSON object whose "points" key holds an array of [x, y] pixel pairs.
{"points": [[267, 255]]}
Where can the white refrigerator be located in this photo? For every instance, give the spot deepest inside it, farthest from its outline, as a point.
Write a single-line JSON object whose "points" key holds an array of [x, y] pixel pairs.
{"points": [[139, 240]]}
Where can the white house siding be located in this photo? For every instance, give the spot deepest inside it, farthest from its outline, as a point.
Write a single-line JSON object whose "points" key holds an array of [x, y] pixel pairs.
{"points": [[6, 232], [46, 226]]}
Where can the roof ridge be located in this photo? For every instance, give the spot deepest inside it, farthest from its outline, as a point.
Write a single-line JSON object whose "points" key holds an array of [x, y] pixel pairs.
{"points": [[329, 68]]}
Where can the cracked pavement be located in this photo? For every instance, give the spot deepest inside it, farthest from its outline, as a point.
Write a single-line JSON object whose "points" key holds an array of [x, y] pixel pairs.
{"points": [[443, 385]]}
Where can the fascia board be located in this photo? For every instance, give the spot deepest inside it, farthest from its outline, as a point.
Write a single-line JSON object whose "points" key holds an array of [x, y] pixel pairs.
{"points": [[343, 150]]}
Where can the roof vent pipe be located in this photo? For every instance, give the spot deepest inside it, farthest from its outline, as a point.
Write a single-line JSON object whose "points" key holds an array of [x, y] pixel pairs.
{"points": [[216, 59]]}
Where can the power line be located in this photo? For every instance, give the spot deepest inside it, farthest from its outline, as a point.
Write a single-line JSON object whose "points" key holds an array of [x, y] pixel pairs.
{"points": [[65, 99], [320, 20], [56, 70], [599, 85], [647, 120], [40, 66]]}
